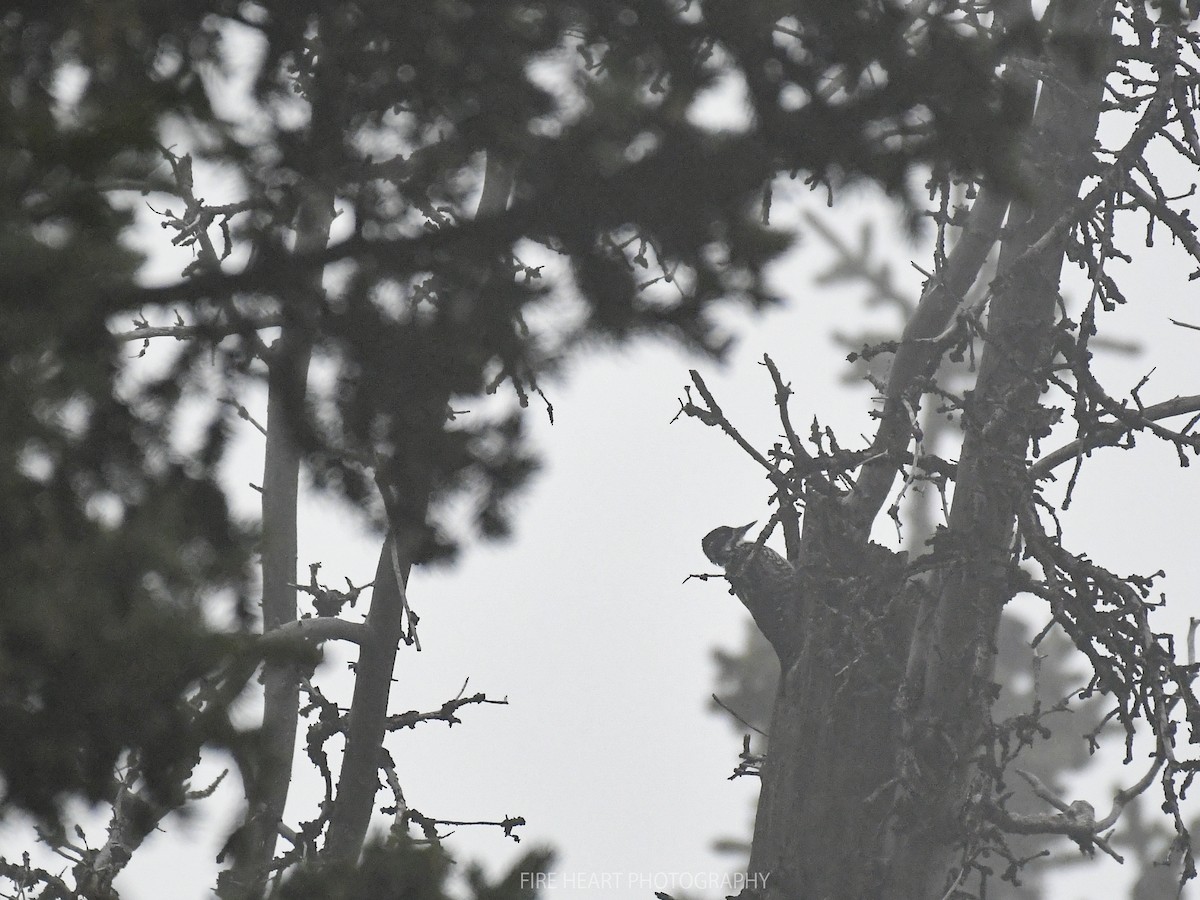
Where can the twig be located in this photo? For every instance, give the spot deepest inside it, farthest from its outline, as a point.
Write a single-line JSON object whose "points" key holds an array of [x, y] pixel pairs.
{"points": [[244, 413], [711, 414], [1076, 820], [446, 714], [721, 703]]}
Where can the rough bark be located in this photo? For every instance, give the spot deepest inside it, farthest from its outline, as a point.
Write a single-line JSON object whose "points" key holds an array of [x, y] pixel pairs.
{"points": [[950, 689], [876, 735], [833, 722]]}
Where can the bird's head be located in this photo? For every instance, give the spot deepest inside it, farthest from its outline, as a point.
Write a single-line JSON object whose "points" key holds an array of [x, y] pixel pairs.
{"points": [[718, 544]]}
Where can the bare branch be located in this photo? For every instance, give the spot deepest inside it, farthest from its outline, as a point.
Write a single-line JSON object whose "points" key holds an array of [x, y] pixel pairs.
{"points": [[1111, 434], [390, 620], [721, 703], [712, 415], [316, 629], [244, 413], [1122, 798], [429, 825], [447, 713], [1076, 820]]}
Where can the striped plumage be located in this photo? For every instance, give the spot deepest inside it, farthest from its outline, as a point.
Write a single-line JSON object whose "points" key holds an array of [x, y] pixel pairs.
{"points": [[761, 578]]}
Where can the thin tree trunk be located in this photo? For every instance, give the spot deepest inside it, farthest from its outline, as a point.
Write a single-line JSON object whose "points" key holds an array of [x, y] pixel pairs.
{"points": [[287, 387], [358, 781]]}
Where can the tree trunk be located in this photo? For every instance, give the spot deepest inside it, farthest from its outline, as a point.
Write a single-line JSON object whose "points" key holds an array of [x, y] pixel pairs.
{"points": [[287, 386], [873, 780], [830, 759]]}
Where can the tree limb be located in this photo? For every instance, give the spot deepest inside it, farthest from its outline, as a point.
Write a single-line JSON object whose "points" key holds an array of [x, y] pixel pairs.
{"points": [[209, 330], [919, 351], [1110, 434], [320, 628]]}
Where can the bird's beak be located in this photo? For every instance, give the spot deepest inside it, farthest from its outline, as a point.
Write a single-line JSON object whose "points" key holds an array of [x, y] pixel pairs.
{"points": [[740, 533]]}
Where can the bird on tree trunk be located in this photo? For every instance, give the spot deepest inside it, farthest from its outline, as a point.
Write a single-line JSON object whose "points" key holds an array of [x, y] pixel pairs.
{"points": [[765, 582]]}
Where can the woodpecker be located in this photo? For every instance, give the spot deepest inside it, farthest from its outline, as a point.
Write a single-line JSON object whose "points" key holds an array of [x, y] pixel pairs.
{"points": [[761, 578]]}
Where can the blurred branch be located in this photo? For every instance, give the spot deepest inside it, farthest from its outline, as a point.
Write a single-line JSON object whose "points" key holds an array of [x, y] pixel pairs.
{"points": [[853, 263], [316, 629], [210, 330]]}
